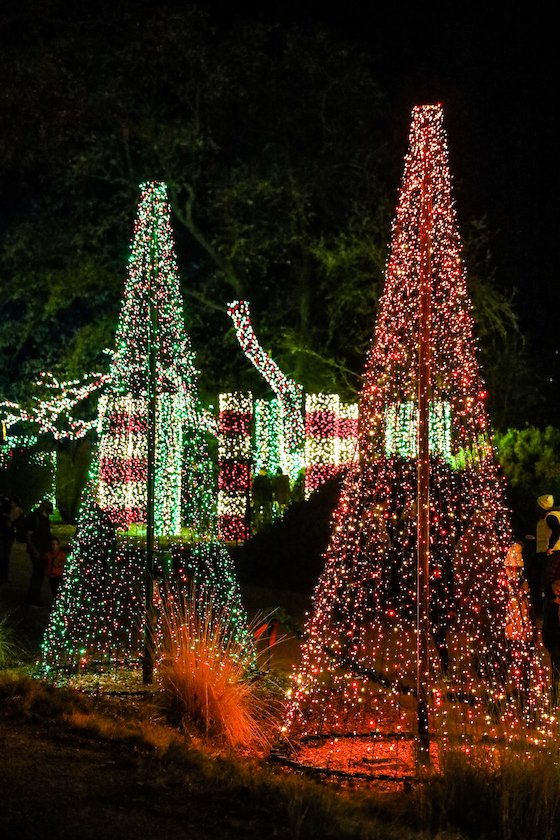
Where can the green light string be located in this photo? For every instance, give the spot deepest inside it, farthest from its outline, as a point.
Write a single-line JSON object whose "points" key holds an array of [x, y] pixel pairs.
{"points": [[97, 617]]}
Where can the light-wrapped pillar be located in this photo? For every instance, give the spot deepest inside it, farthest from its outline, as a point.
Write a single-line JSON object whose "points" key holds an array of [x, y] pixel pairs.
{"points": [[234, 462], [321, 439]]}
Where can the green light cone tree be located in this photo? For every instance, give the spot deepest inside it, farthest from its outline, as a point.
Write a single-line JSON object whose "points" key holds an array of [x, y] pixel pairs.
{"points": [[97, 616], [401, 565]]}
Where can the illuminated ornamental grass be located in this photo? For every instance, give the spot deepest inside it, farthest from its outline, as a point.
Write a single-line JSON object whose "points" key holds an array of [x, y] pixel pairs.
{"points": [[97, 619], [354, 702], [203, 675]]}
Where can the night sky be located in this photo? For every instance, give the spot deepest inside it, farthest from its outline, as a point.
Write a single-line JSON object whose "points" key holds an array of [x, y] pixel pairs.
{"points": [[494, 71]]}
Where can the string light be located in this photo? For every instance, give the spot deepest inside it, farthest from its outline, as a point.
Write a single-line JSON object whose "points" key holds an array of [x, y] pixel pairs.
{"points": [[270, 448], [401, 430], [53, 415], [251, 436], [288, 392], [353, 697], [234, 465], [347, 432], [97, 617], [13, 443], [330, 438]]}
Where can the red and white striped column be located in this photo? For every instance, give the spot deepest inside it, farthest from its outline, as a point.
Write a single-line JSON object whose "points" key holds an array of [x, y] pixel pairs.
{"points": [[234, 465]]}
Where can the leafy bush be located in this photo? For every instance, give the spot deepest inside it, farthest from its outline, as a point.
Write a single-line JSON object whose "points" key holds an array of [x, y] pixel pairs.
{"points": [[530, 459]]}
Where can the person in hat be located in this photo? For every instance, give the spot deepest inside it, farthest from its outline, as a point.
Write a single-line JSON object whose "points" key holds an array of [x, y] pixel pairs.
{"points": [[547, 549], [39, 539]]}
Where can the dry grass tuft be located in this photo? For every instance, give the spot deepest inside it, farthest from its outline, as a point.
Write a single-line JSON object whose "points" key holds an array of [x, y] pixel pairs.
{"points": [[10, 651], [140, 734], [512, 795], [36, 699], [205, 679]]}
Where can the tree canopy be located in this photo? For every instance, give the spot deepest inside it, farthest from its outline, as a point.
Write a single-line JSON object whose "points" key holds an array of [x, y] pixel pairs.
{"points": [[276, 145]]}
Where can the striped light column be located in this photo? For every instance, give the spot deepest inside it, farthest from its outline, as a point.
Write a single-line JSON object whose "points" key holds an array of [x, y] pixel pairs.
{"points": [[234, 462]]}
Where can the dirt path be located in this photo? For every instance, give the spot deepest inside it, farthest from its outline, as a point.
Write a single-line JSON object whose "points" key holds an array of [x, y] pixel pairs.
{"points": [[30, 622]]}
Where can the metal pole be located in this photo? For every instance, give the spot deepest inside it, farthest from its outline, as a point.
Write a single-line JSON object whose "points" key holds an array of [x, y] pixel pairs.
{"points": [[149, 617], [423, 471]]}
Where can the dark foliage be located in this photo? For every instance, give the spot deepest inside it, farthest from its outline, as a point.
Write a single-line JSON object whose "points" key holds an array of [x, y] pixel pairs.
{"points": [[288, 554], [280, 153]]}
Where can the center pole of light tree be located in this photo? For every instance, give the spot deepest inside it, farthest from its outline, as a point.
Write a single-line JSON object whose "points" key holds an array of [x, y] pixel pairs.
{"points": [[148, 659], [423, 469]]}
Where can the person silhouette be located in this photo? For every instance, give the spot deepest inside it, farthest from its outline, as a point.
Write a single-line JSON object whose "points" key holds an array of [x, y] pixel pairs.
{"points": [[39, 538], [547, 548], [262, 499], [280, 491]]}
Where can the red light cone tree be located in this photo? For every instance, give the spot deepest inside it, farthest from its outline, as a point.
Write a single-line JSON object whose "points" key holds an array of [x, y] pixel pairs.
{"points": [[409, 625]]}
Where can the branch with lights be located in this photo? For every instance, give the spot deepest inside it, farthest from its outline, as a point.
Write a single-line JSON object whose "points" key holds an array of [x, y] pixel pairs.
{"points": [[53, 415], [288, 392]]}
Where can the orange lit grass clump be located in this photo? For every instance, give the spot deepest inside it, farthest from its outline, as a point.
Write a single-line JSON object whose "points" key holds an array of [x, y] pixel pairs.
{"points": [[207, 678]]}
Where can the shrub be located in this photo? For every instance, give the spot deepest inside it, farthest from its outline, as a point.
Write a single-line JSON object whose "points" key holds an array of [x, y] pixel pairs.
{"points": [[10, 651], [530, 459], [205, 679]]}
